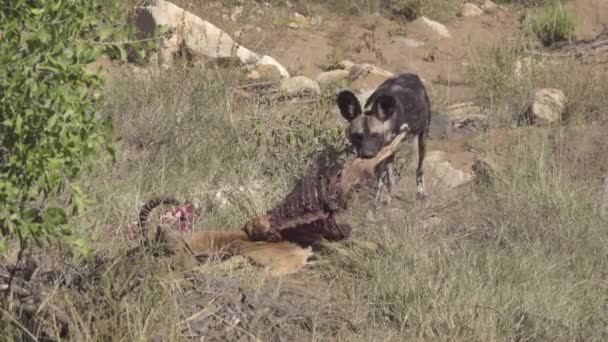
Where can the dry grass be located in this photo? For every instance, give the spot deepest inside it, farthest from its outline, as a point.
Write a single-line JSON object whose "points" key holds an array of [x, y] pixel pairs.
{"points": [[500, 89]]}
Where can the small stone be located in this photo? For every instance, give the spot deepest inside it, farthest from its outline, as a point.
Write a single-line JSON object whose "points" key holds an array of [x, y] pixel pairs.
{"points": [[489, 7], [470, 10]]}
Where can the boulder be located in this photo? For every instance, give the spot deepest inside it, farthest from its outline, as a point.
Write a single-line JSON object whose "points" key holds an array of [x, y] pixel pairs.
{"points": [[435, 26], [470, 10], [194, 36], [267, 60], [332, 76], [489, 7], [199, 37], [546, 106], [299, 86], [442, 171]]}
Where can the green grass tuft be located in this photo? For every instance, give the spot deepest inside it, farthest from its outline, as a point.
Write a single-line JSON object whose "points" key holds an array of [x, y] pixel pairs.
{"points": [[552, 24]]}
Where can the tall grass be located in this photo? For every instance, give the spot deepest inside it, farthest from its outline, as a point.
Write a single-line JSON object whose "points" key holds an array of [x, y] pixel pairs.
{"points": [[514, 260], [500, 88], [552, 24]]}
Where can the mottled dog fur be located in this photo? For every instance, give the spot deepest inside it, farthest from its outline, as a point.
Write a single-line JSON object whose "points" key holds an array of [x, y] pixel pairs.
{"points": [[399, 104]]}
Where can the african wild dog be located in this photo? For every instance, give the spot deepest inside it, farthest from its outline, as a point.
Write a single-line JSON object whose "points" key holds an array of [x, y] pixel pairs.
{"points": [[399, 104]]}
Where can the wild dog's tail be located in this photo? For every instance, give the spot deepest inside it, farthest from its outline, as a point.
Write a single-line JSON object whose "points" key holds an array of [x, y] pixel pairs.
{"points": [[145, 210]]}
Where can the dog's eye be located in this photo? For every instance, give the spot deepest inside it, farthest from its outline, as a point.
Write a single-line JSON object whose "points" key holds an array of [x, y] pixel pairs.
{"points": [[357, 137]]}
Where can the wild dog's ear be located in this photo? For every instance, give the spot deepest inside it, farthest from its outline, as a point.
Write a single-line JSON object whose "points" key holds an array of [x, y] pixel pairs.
{"points": [[386, 106], [349, 105]]}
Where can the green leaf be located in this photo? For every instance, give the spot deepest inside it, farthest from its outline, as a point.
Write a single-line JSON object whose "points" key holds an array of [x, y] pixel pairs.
{"points": [[55, 217], [106, 33], [123, 54], [161, 30]]}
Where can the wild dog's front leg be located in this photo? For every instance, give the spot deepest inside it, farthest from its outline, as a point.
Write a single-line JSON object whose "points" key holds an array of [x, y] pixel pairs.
{"points": [[386, 182], [420, 191]]}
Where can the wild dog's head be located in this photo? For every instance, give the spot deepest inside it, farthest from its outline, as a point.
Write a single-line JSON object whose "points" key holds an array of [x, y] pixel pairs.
{"points": [[369, 129]]}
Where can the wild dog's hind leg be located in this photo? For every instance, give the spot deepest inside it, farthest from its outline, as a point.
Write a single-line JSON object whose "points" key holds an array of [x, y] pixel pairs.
{"points": [[420, 191]]}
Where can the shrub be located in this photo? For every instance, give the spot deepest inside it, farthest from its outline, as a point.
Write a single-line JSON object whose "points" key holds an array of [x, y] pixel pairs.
{"points": [[553, 24], [48, 122]]}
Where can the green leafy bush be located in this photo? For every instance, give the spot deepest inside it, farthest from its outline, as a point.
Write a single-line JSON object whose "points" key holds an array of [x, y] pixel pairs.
{"points": [[553, 24], [48, 122]]}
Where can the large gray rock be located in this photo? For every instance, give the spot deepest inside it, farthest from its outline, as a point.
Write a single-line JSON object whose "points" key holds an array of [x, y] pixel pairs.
{"points": [[299, 86], [200, 38], [546, 106]]}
